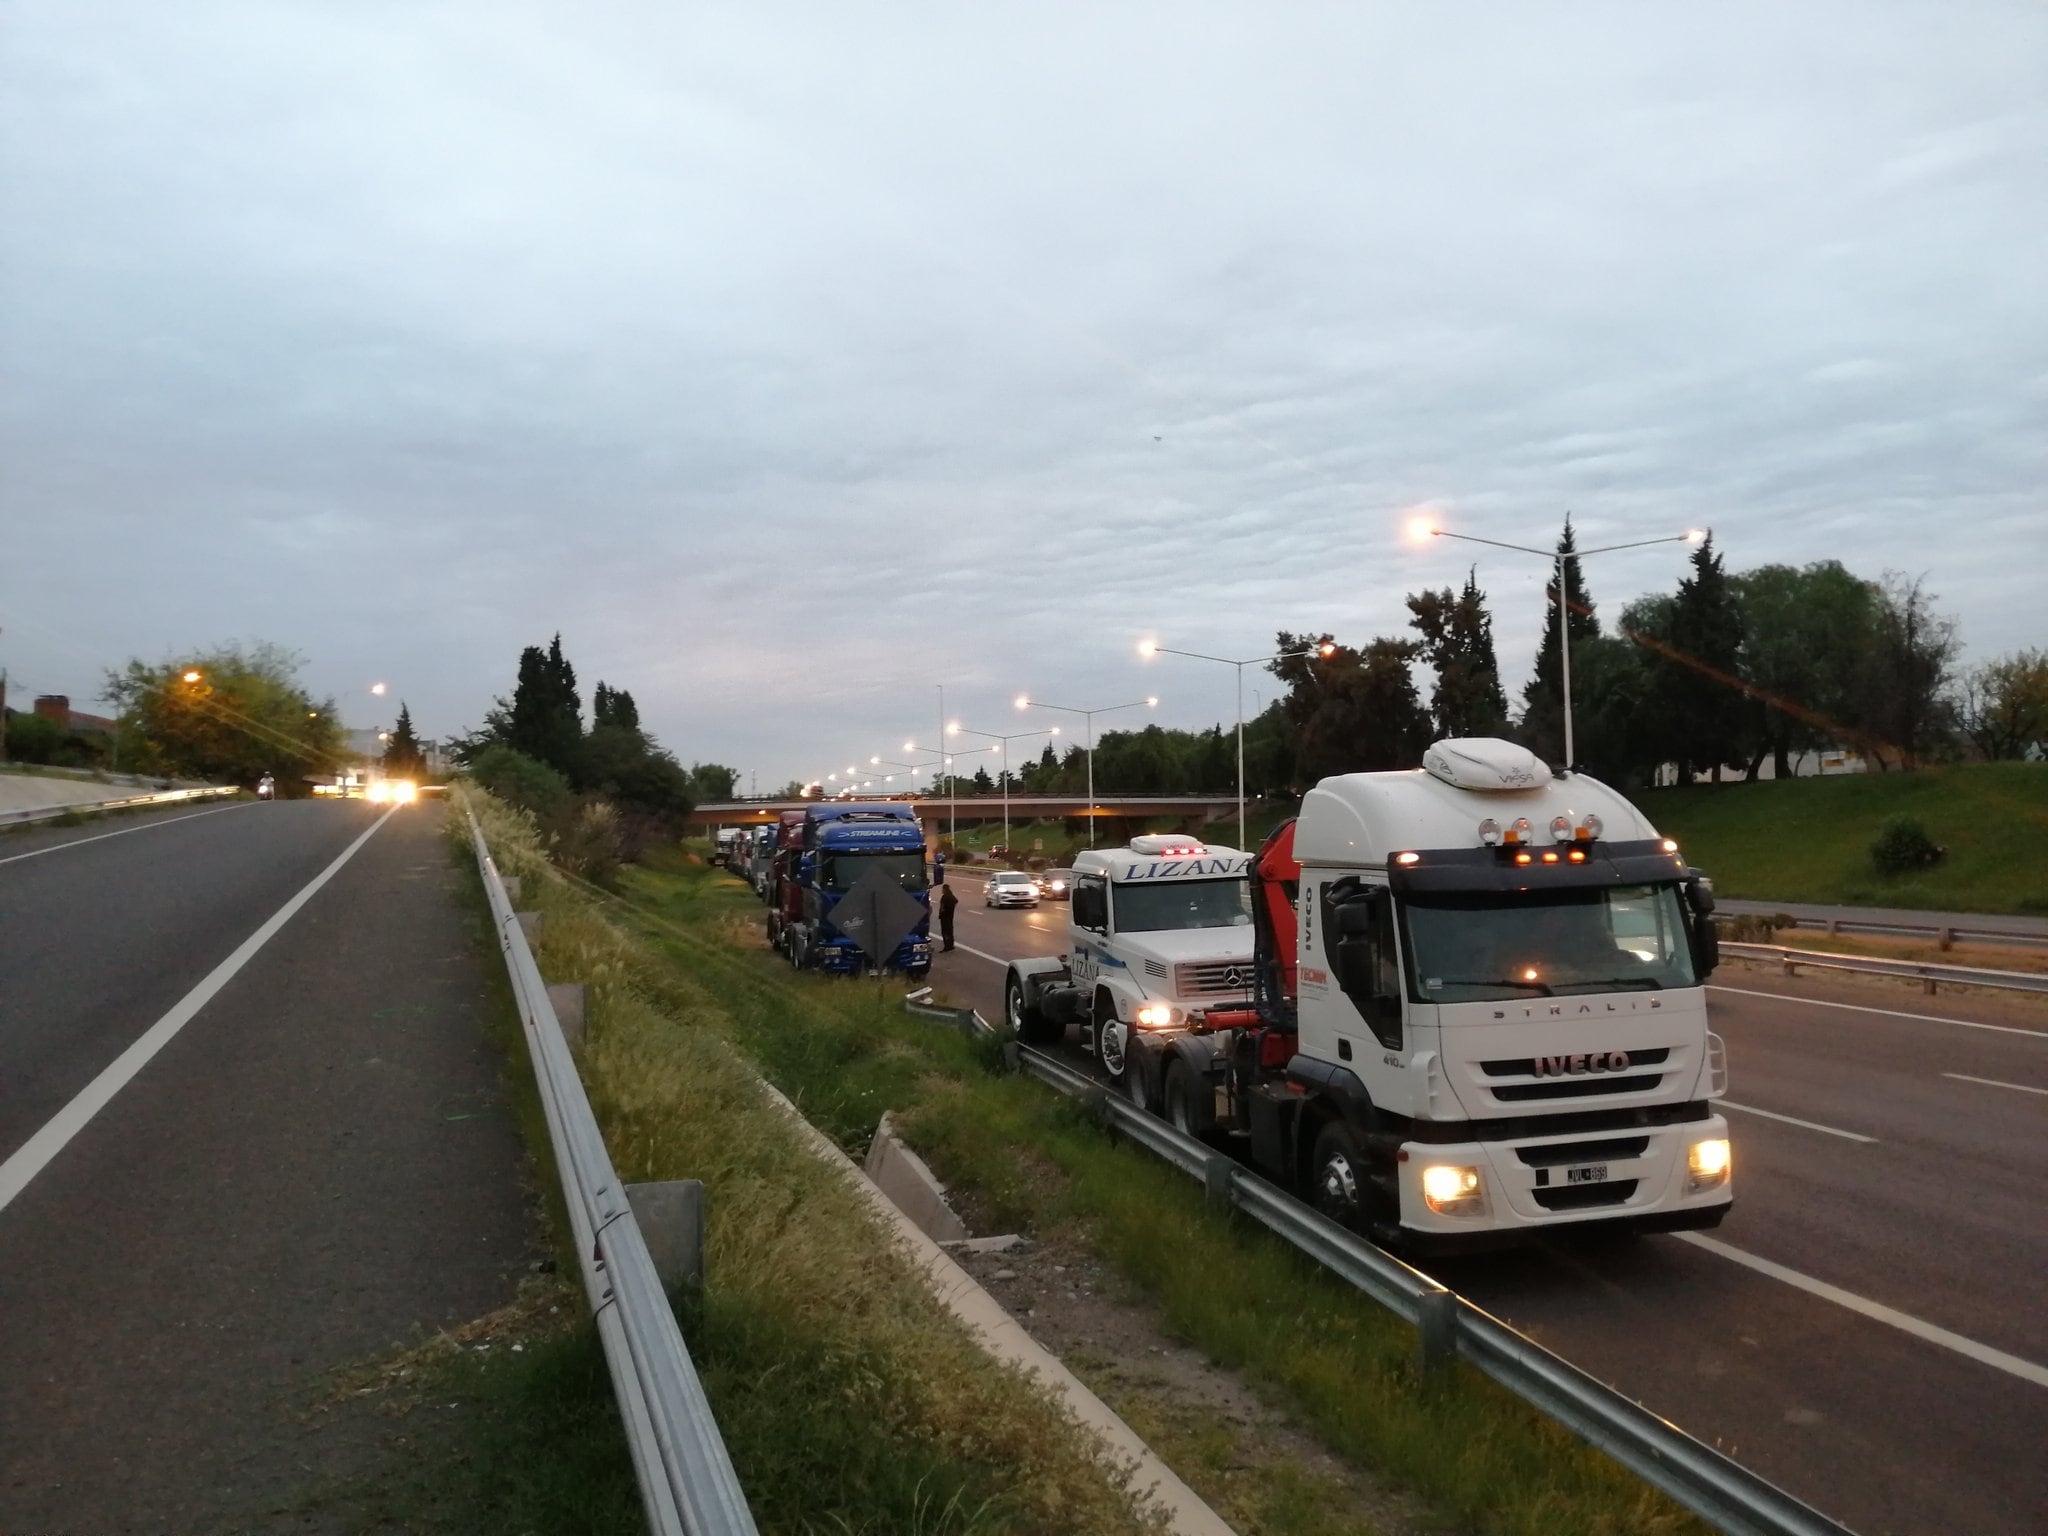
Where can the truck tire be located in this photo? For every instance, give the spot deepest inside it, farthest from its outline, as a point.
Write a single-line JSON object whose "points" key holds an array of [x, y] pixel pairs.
{"points": [[1341, 1185], [1109, 1040], [1142, 1088], [1190, 1106], [1027, 1022]]}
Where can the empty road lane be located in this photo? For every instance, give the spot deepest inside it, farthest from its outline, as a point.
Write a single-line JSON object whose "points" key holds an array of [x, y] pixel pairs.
{"points": [[251, 1132]]}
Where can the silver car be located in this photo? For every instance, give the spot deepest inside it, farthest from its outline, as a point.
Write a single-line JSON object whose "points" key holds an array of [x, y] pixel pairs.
{"points": [[1010, 888]]}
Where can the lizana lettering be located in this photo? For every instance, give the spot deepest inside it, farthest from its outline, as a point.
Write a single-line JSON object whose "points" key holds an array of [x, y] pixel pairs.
{"points": [[1178, 869]]}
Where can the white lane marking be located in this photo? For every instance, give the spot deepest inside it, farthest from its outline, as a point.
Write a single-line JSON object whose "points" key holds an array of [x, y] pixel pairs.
{"points": [[101, 837], [1771, 1114], [1992, 1082], [981, 954], [1890, 1013], [1983, 1354], [36, 1153]]}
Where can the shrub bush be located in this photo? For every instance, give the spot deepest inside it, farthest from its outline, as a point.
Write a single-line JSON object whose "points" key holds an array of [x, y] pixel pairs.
{"points": [[524, 781], [1904, 846]]}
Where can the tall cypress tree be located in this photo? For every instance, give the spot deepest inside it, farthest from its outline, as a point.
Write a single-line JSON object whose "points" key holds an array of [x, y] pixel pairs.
{"points": [[402, 754], [1702, 682], [1543, 695]]}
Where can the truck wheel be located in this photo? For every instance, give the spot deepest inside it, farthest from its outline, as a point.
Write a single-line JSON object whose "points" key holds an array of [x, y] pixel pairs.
{"points": [[1342, 1187], [1109, 1042], [1140, 1087], [1027, 1023], [1190, 1106]]}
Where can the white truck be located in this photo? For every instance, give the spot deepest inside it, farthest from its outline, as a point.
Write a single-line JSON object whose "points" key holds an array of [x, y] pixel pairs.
{"points": [[1159, 946], [1480, 1011]]}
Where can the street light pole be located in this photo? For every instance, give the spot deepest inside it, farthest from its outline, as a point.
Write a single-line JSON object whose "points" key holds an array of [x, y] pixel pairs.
{"points": [[946, 780], [957, 729], [1564, 615], [1025, 701], [1154, 648]]}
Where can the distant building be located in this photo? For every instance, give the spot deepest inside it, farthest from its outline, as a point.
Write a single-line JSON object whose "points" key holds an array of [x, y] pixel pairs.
{"points": [[57, 707]]}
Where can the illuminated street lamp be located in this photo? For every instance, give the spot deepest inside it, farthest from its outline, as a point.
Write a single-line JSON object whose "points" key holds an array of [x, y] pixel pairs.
{"points": [[1154, 648], [192, 675], [1025, 701], [957, 729], [1421, 528]]}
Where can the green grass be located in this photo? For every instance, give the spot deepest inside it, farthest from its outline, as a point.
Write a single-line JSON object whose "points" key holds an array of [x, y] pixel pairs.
{"points": [[1027, 1159], [1808, 840], [850, 1401]]}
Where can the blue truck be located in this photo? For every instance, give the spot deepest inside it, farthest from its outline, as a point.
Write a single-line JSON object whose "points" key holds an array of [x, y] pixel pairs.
{"points": [[842, 844]]}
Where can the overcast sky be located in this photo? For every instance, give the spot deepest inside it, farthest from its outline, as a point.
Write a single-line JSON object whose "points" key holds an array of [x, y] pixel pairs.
{"points": [[794, 360]]}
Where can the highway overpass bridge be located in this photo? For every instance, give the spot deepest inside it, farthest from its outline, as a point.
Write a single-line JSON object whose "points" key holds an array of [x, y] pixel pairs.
{"points": [[1107, 811]]}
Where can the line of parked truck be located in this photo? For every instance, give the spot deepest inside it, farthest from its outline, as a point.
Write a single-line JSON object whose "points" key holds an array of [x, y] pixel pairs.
{"points": [[816, 866], [1453, 1006]]}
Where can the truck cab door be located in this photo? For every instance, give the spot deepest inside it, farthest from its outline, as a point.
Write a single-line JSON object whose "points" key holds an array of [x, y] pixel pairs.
{"points": [[1359, 929]]}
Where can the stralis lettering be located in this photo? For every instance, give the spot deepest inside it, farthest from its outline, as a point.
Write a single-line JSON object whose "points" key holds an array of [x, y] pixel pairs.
{"points": [[1581, 1062], [1592, 1005]]}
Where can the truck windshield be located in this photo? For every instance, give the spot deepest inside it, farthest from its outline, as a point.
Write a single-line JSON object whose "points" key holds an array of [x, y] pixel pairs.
{"points": [[1480, 948], [843, 869], [1155, 905]]}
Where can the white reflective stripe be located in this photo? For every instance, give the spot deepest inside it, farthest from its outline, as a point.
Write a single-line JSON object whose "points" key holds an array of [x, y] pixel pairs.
{"points": [[1992, 1082], [1983, 1354], [1890, 1013], [36, 1153], [1811, 1125], [148, 826]]}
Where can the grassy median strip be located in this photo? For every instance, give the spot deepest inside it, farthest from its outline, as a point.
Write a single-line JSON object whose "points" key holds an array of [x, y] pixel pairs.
{"points": [[849, 1400], [1026, 1159]]}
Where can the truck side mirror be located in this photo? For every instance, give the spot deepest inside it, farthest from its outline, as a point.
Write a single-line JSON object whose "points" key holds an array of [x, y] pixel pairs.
{"points": [[1699, 890], [1705, 932], [1355, 917]]}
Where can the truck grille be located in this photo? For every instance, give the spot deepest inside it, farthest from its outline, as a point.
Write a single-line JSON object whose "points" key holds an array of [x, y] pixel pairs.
{"points": [[1555, 1084], [1575, 1197], [1212, 978], [1558, 1153]]}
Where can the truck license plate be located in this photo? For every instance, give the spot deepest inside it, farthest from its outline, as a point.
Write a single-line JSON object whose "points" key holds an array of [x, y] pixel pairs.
{"points": [[1593, 1173]]}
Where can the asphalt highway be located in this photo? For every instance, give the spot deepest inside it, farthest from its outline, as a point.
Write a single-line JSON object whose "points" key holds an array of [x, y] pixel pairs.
{"points": [[1867, 1328], [251, 1133]]}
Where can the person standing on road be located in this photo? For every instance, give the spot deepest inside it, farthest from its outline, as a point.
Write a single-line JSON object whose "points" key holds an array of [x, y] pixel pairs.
{"points": [[947, 902]]}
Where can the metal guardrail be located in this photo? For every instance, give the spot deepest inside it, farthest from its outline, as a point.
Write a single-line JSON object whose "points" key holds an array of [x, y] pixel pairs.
{"points": [[25, 818], [686, 1478], [1727, 1495], [1943, 933], [1931, 973]]}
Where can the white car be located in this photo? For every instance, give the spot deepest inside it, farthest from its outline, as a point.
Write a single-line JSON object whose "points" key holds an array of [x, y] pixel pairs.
{"points": [[1010, 888]]}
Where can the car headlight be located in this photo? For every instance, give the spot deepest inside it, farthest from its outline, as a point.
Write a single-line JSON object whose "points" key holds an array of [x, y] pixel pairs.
{"points": [[1707, 1164], [1449, 1190]]}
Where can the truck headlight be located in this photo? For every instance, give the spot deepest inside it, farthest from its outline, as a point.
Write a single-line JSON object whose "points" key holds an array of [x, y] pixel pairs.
{"points": [[1706, 1164], [1453, 1191], [1155, 1015]]}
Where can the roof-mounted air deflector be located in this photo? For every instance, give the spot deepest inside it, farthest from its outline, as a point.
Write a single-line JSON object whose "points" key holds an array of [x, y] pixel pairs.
{"points": [[1485, 763]]}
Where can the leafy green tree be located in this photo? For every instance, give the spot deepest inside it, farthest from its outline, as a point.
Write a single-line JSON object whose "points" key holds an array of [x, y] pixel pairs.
{"points": [[234, 713], [402, 755], [1902, 691], [1457, 640], [2003, 706], [1541, 728], [1805, 634], [710, 782], [1351, 711]]}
